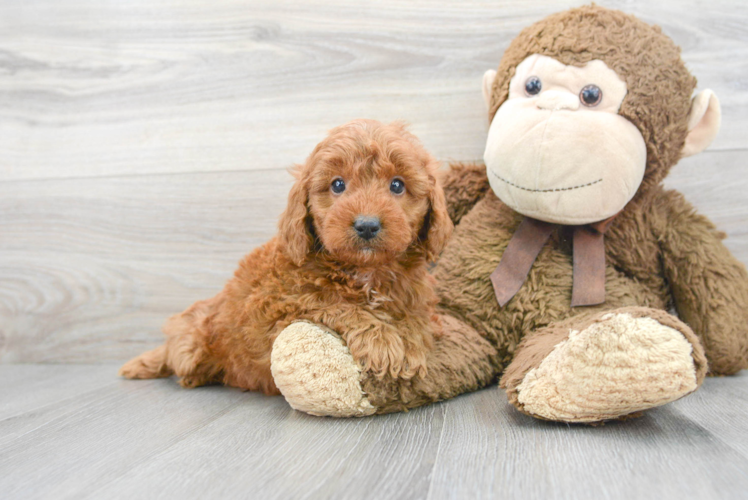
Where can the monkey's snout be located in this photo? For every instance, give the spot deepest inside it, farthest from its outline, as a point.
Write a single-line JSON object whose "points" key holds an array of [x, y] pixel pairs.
{"points": [[555, 100], [367, 227]]}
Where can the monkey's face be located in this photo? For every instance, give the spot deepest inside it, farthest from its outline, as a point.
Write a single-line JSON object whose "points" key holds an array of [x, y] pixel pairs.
{"points": [[558, 150]]}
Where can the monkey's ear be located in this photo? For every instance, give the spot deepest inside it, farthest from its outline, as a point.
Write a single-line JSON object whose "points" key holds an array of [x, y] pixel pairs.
{"points": [[703, 123], [295, 240], [488, 78]]}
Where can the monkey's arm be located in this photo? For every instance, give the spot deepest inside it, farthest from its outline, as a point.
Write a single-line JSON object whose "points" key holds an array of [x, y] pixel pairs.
{"points": [[709, 285], [464, 185]]}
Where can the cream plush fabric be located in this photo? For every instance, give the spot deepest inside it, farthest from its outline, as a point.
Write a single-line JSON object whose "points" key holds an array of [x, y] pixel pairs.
{"points": [[316, 373], [617, 366], [587, 162]]}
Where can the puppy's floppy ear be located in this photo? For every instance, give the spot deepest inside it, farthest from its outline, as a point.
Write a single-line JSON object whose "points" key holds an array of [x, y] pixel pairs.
{"points": [[295, 239], [437, 226]]}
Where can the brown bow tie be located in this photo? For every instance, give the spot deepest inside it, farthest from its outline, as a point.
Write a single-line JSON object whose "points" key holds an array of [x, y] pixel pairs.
{"points": [[589, 261]]}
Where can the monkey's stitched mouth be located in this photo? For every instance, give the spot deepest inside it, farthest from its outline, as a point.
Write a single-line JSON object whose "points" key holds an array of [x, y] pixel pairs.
{"points": [[543, 190]]}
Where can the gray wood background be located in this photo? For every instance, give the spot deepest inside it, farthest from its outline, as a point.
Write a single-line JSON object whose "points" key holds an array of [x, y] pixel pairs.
{"points": [[143, 150]]}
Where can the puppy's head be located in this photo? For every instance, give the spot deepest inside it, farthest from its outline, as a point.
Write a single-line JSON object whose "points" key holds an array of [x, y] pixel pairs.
{"points": [[368, 195]]}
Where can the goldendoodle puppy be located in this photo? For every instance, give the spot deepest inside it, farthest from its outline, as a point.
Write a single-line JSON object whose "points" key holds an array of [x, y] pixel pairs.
{"points": [[364, 217]]}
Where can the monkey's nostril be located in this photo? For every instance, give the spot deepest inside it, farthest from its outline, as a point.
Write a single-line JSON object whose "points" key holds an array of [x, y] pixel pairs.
{"points": [[367, 227]]}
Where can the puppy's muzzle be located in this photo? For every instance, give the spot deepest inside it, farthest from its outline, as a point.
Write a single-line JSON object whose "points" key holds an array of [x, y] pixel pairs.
{"points": [[367, 227]]}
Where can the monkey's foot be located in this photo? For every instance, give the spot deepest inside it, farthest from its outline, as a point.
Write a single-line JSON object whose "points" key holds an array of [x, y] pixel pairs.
{"points": [[605, 367], [316, 373]]}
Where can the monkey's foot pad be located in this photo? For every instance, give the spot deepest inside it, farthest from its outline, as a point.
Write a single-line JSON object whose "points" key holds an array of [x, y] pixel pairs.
{"points": [[316, 373], [617, 366]]}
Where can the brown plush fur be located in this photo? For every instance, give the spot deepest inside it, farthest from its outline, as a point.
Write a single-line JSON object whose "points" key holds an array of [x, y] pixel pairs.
{"points": [[377, 294], [660, 254], [471, 186], [670, 254]]}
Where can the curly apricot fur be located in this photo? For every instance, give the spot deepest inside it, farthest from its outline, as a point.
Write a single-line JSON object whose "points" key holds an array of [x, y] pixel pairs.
{"points": [[376, 293]]}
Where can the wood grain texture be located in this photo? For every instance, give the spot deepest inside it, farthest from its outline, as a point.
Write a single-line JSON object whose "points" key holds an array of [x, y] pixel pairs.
{"points": [[276, 453], [92, 267], [721, 410], [91, 88], [493, 451], [153, 439], [26, 388], [83, 442]]}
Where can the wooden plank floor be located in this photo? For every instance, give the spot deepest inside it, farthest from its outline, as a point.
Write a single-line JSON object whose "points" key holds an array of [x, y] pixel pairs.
{"points": [[80, 432]]}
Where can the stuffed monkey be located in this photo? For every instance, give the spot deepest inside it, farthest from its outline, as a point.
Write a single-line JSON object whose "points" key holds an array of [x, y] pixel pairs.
{"points": [[568, 253]]}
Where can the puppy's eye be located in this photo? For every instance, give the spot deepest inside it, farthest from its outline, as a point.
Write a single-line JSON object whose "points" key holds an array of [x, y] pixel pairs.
{"points": [[397, 186], [338, 185]]}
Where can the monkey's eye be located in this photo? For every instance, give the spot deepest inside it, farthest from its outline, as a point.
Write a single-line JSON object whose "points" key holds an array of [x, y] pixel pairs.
{"points": [[338, 185], [533, 85], [591, 95], [397, 186]]}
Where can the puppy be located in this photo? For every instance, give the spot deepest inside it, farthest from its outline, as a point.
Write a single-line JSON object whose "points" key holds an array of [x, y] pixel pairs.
{"points": [[364, 217]]}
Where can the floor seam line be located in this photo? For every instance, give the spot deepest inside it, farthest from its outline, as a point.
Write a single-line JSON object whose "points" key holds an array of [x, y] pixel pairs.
{"points": [[438, 452]]}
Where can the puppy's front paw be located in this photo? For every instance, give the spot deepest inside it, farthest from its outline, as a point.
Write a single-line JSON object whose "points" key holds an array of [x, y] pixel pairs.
{"points": [[415, 362], [383, 353]]}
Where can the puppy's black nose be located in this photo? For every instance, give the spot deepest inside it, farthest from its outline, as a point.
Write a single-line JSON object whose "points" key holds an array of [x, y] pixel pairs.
{"points": [[367, 227]]}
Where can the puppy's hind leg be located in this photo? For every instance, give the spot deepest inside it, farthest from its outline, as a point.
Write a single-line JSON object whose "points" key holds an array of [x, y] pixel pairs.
{"points": [[151, 364], [185, 352]]}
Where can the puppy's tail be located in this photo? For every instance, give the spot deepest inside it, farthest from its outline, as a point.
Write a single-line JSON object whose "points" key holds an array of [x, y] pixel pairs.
{"points": [[151, 364]]}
